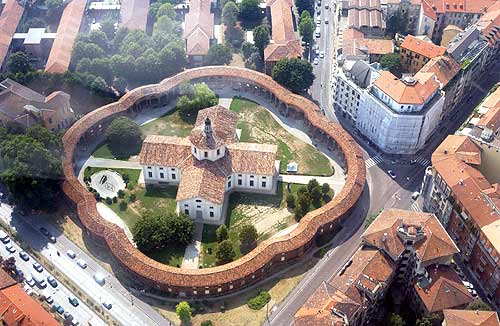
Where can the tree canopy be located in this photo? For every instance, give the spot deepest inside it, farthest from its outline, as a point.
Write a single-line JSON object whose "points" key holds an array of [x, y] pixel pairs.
{"points": [[306, 26], [183, 311], [295, 74], [478, 305], [225, 252], [32, 166], [397, 23], [156, 231], [230, 13], [392, 62], [261, 38], [195, 98], [123, 136], [250, 10], [19, 62], [248, 235], [219, 54]]}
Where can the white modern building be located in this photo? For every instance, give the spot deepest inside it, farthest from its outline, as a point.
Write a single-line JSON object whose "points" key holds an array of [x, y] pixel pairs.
{"points": [[397, 115], [209, 164]]}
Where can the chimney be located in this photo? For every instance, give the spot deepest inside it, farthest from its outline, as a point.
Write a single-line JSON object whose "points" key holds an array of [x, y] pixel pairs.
{"points": [[208, 127]]}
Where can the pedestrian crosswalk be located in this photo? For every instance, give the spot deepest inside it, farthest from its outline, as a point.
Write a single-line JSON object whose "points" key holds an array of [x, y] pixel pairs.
{"points": [[414, 207], [373, 161], [423, 161]]}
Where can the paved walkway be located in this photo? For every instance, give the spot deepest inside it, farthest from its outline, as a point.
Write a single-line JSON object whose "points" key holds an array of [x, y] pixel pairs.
{"points": [[107, 163], [193, 250], [109, 215], [333, 181]]}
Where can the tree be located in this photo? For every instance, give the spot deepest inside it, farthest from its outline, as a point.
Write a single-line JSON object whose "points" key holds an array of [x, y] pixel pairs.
{"points": [[198, 96], [478, 305], [397, 23], [19, 62], [219, 54], [295, 74], [86, 50], [248, 235], [303, 204], [166, 9], [183, 311], [290, 200], [234, 35], [230, 14], [261, 38], [325, 188], [180, 227], [313, 183], [225, 252], [149, 232], [316, 196], [304, 5], [255, 62], [250, 10], [306, 26], [54, 8], [107, 26], [207, 323], [222, 233], [123, 136], [248, 49], [429, 320], [99, 38], [396, 320], [392, 62]]}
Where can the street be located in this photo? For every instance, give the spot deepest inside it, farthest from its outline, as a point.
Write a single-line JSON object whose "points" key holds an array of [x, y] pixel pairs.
{"points": [[126, 308], [60, 294]]}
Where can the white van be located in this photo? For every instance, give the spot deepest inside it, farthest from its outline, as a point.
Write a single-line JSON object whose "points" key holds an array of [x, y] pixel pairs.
{"points": [[317, 32], [40, 280], [318, 20]]}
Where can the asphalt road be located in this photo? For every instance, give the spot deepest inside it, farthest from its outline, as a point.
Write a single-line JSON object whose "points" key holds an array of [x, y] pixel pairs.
{"points": [[126, 308], [60, 293]]}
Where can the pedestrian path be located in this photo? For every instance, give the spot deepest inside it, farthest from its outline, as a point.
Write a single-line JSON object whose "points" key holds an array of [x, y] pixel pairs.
{"points": [[414, 207], [423, 161], [193, 250], [373, 161]]}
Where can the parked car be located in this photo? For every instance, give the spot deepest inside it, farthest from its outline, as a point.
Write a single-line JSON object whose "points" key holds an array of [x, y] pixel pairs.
{"points": [[39, 280], [52, 281], [392, 174], [37, 267], [99, 278], [415, 195], [44, 231], [71, 254], [316, 61], [68, 316], [82, 263], [24, 256], [29, 280], [58, 308], [107, 305], [321, 54], [52, 238], [326, 20], [74, 301], [4, 237], [10, 248], [326, 6], [28, 290], [49, 299]]}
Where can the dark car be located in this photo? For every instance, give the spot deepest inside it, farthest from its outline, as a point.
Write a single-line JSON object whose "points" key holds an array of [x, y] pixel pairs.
{"points": [[44, 231], [74, 301], [52, 281], [58, 308]]}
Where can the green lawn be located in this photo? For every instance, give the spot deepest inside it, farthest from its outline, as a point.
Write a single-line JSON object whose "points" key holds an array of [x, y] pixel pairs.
{"points": [[209, 245], [103, 151], [171, 256], [133, 174], [171, 124], [258, 126]]}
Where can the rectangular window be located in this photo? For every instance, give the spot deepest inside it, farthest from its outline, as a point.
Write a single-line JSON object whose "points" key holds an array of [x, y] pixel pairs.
{"points": [[229, 184], [150, 174], [172, 169], [186, 211], [174, 176], [198, 200], [206, 154], [161, 169], [240, 182], [218, 151], [199, 207], [162, 175], [251, 183], [195, 150], [211, 214], [263, 184]]}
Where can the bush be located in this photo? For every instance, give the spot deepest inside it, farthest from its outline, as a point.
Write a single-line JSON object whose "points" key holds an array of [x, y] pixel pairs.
{"points": [[124, 136], [248, 235], [325, 188], [225, 252], [222, 233], [290, 200], [258, 302], [123, 205], [109, 201], [121, 193], [207, 323], [115, 200], [132, 198]]}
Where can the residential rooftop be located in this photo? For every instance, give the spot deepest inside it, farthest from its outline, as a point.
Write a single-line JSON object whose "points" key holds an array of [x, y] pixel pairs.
{"points": [[421, 47]]}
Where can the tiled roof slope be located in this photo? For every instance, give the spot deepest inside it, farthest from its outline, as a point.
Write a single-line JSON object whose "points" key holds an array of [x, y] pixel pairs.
{"points": [[463, 6], [67, 32], [134, 14], [9, 19], [277, 51], [383, 233], [424, 48], [489, 23], [199, 27], [491, 119], [282, 21], [454, 317], [405, 93], [443, 68], [223, 122], [445, 290], [163, 275], [164, 150]]}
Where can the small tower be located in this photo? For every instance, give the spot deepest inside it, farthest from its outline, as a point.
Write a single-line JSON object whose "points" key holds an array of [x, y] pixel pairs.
{"points": [[208, 127]]}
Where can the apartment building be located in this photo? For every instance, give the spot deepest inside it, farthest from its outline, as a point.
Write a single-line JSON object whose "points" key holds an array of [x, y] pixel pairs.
{"points": [[366, 16], [407, 250], [356, 47], [461, 189], [415, 53], [408, 8]]}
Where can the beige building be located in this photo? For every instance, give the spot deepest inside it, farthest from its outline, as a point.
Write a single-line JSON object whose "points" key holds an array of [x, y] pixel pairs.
{"points": [[22, 106]]}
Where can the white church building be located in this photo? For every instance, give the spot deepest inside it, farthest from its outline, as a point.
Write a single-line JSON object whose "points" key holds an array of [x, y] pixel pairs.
{"points": [[209, 164]]}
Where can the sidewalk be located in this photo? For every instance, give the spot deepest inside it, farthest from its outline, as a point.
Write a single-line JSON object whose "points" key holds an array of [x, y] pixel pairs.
{"points": [[193, 250]]}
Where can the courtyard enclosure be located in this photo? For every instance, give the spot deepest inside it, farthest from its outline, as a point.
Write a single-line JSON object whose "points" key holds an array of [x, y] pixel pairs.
{"points": [[268, 256]]}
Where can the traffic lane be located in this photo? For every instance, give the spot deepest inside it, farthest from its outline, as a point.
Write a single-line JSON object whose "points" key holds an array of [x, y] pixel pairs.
{"points": [[122, 306], [60, 294]]}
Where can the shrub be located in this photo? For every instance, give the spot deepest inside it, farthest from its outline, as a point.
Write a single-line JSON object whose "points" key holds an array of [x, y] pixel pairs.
{"points": [[123, 205], [121, 193], [290, 201], [248, 235], [258, 302], [184, 312], [132, 198], [109, 201], [225, 252], [207, 323], [115, 200], [222, 233], [325, 188]]}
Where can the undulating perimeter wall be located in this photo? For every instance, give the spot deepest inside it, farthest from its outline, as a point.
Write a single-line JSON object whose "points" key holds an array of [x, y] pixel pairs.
{"points": [[267, 257]]}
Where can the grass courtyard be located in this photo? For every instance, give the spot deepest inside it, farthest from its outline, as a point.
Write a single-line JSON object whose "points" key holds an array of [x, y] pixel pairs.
{"points": [[257, 125]]}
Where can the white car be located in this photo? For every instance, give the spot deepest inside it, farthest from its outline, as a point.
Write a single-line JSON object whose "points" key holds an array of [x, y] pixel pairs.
{"points": [[315, 61], [10, 248], [71, 254], [415, 195], [326, 6], [321, 54], [28, 290], [316, 51], [99, 278], [82, 263], [326, 20], [392, 174], [29, 280], [468, 285]]}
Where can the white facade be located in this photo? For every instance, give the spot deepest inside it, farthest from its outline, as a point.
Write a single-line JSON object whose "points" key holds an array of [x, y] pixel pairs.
{"points": [[161, 174]]}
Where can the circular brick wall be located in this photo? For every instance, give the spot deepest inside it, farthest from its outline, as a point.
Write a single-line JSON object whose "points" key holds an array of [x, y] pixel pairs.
{"points": [[268, 256]]}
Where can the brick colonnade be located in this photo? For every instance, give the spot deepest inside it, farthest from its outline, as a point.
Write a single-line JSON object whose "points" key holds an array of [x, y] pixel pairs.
{"points": [[267, 257]]}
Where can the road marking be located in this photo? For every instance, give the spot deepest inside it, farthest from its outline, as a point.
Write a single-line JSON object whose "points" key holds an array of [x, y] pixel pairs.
{"points": [[414, 207], [373, 161], [423, 161]]}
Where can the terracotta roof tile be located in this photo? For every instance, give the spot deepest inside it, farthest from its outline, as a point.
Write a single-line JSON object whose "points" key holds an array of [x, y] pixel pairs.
{"points": [[164, 150], [383, 233], [9, 19], [421, 47], [277, 51], [444, 291], [470, 318], [428, 10], [406, 93], [6, 280], [199, 27], [134, 14], [491, 119], [443, 68], [282, 22], [223, 124], [67, 31], [464, 6]]}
